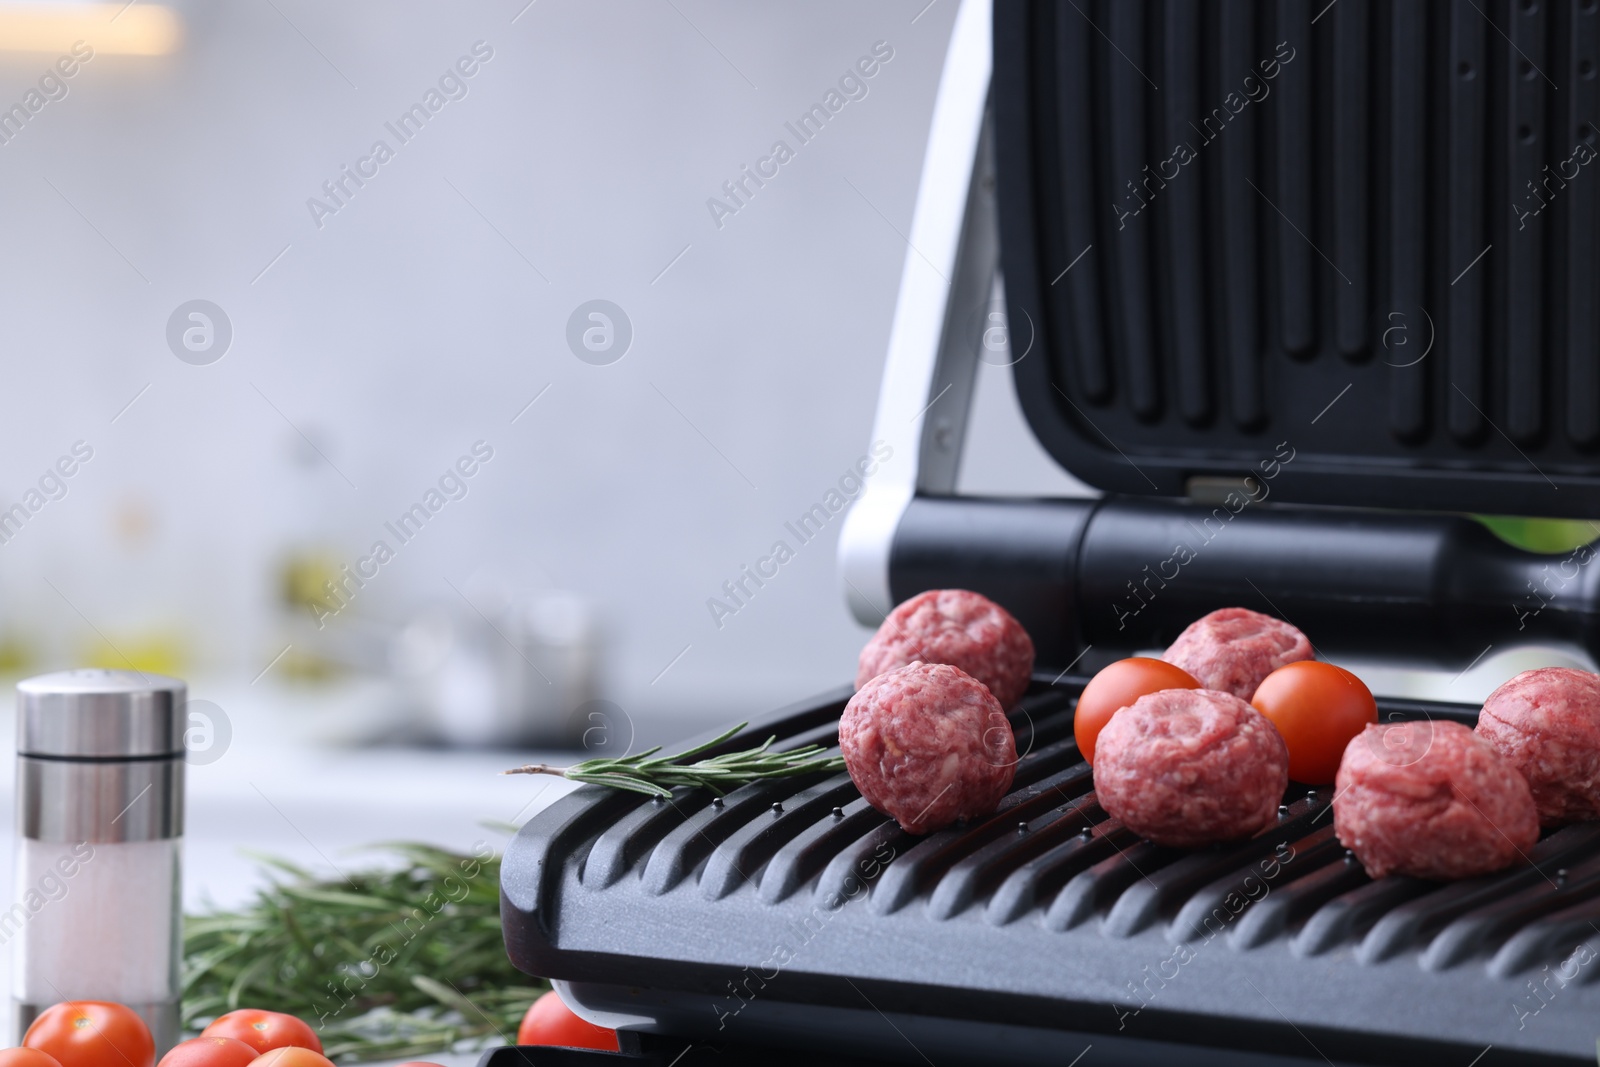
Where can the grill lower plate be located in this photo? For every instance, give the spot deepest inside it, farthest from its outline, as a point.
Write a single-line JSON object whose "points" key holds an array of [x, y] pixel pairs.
{"points": [[1047, 925]]}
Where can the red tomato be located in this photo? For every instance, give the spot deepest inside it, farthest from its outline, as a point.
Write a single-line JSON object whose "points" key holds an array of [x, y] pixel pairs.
{"points": [[1318, 708], [1117, 686], [264, 1030], [292, 1056], [27, 1057], [92, 1033], [210, 1052], [550, 1022]]}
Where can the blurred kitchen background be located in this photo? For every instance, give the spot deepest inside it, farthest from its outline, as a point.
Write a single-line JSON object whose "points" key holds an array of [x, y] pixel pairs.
{"points": [[373, 346], [229, 460], [210, 499], [359, 340]]}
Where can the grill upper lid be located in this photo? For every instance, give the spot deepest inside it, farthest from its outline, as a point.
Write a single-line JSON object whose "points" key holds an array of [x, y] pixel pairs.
{"points": [[1364, 239]]}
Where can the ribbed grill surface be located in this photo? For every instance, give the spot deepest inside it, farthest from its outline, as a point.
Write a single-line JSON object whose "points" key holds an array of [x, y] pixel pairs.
{"points": [[1236, 209], [1051, 856]]}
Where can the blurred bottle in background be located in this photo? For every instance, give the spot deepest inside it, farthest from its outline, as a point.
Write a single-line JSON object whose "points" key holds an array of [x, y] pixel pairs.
{"points": [[138, 619], [502, 669]]}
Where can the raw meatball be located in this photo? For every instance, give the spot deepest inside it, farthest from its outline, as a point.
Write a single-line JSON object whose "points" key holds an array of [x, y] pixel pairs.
{"points": [[1547, 723], [954, 626], [1234, 649], [928, 744], [1188, 767], [1432, 800]]}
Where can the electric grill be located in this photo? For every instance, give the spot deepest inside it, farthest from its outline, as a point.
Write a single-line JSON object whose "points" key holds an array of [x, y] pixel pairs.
{"points": [[1213, 343]]}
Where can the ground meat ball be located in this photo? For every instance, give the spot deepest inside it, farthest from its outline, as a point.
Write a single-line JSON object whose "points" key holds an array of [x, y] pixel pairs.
{"points": [[1234, 649], [1188, 767], [928, 744], [954, 626], [1547, 724], [1432, 800]]}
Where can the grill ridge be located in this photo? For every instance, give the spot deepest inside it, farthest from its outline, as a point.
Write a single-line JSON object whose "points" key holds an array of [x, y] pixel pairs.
{"points": [[634, 836], [927, 862], [1042, 878], [1541, 938], [982, 870], [1253, 867], [749, 847], [1097, 888], [1490, 923], [805, 856], [1323, 872], [1401, 927], [691, 842]]}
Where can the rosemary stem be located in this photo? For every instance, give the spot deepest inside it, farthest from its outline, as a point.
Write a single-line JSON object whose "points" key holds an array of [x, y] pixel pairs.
{"points": [[539, 768], [655, 775]]}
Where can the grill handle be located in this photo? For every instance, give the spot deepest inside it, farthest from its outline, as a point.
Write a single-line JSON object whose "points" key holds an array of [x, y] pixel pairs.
{"points": [[1117, 575]]}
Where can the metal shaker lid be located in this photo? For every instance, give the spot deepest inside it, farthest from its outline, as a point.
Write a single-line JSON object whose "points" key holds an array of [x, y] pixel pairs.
{"points": [[101, 714]]}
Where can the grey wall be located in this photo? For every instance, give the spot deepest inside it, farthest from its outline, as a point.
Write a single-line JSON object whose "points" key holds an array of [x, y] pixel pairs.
{"points": [[428, 311]]}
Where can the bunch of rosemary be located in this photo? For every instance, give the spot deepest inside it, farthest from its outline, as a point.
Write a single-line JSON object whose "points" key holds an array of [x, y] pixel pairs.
{"points": [[393, 962], [384, 963]]}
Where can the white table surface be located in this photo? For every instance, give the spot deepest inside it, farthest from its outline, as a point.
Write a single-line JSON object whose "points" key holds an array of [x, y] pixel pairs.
{"points": [[294, 783], [289, 785]]}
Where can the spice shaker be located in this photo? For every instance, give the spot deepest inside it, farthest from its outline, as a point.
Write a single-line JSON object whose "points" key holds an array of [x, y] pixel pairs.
{"points": [[98, 901]]}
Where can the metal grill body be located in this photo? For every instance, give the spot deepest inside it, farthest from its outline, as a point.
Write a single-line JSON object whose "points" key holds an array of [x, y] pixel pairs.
{"points": [[1045, 924]]}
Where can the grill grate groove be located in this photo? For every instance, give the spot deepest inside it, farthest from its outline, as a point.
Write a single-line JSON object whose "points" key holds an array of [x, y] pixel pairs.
{"points": [[1251, 872], [1413, 920], [632, 837], [1162, 892], [930, 859], [1322, 872], [1490, 924], [736, 860], [810, 851], [691, 842], [979, 873], [1098, 888]]}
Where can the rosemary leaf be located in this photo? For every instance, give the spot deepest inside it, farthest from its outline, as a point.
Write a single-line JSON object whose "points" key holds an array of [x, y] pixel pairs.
{"points": [[655, 775]]}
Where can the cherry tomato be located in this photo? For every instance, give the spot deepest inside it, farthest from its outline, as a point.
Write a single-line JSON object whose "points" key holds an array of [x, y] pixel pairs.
{"points": [[210, 1052], [550, 1022], [264, 1030], [1318, 708], [1117, 686], [292, 1056], [27, 1057], [92, 1033]]}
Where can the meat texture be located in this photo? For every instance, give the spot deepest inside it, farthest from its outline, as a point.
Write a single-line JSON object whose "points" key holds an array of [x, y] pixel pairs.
{"points": [[1189, 767], [1547, 723], [1234, 649], [928, 744], [1431, 800], [958, 627]]}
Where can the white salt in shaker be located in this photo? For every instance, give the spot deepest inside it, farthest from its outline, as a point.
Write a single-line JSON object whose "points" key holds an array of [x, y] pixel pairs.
{"points": [[97, 911]]}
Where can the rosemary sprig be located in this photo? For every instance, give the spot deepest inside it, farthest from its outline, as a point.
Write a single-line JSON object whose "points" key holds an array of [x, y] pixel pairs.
{"points": [[655, 775], [393, 962]]}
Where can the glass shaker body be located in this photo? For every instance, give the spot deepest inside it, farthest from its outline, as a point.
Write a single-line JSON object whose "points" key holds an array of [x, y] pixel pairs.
{"points": [[100, 784]]}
